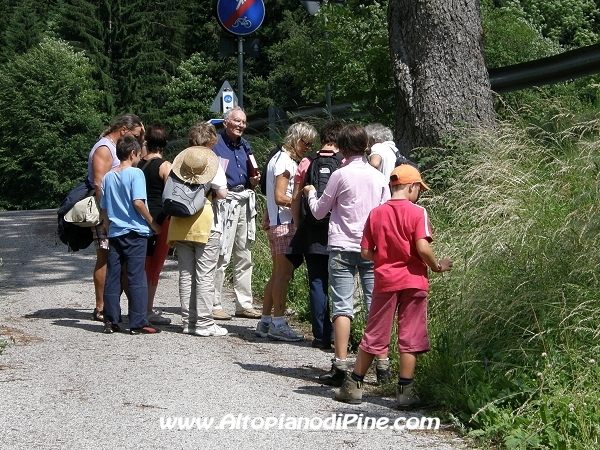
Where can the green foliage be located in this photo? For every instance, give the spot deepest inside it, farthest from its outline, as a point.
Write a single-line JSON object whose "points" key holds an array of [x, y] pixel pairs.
{"points": [[48, 123], [189, 95], [514, 326], [510, 39]]}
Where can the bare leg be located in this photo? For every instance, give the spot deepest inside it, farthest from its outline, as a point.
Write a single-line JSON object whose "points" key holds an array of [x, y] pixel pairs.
{"points": [[283, 270], [268, 297], [100, 277], [408, 362], [341, 334], [151, 293], [363, 362]]}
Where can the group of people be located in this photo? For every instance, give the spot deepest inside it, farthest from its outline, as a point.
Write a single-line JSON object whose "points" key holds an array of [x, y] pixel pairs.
{"points": [[362, 219], [129, 184]]}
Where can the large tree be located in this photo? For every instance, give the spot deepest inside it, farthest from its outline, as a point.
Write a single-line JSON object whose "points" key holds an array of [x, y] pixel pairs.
{"points": [[438, 63]]}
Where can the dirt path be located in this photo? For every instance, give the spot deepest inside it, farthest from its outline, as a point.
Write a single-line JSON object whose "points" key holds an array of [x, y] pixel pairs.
{"points": [[65, 384]]}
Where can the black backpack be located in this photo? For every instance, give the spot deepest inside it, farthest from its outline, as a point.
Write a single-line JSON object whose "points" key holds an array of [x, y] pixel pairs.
{"points": [[401, 159], [263, 175], [318, 173]]}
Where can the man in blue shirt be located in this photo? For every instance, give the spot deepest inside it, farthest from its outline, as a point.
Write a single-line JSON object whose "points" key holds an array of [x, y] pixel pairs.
{"points": [[239, 213]]}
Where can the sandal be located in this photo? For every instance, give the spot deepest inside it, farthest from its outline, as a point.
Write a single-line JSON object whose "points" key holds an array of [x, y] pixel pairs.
{"points": [[98, 315], [146, 329]]}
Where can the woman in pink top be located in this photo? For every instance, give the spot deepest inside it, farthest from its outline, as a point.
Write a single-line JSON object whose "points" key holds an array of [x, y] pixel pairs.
{"points": [[351, 193]]}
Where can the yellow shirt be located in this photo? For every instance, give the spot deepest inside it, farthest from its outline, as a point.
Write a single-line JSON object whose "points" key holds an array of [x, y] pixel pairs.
{"points": [[194, 228]]}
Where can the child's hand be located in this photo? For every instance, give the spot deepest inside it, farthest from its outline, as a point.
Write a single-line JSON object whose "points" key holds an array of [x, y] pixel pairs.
{"points": [[446, 264], [308, 188]]}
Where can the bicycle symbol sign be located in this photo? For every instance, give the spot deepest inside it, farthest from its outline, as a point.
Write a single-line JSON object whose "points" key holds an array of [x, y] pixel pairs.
{"points": [[240, 17]]}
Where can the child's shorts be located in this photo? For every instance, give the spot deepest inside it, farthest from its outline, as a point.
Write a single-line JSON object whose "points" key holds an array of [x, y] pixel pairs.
{"points": [[411, 305], [280, 237]]}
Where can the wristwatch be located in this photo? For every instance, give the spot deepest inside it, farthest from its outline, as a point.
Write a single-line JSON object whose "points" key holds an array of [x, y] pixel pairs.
{"points": [[439, 267]]}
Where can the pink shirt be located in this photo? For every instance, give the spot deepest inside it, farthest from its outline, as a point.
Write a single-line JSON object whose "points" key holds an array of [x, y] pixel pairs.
{"points": [[392, 231], [304, 165], [351, 193]]}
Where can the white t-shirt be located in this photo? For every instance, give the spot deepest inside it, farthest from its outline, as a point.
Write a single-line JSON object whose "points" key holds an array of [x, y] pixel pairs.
{"points": [[279, 215], [218, 182], [387, 151]]}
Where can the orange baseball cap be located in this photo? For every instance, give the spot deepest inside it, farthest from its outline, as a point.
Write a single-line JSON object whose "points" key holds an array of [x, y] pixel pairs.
{"points": [[407, 174]]}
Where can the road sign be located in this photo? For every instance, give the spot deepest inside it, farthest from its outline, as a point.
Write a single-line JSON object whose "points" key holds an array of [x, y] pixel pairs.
{"points": [[225, 99], [240, 17]]}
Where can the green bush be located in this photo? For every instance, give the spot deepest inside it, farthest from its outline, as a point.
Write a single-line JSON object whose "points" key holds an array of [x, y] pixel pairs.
{"points": [[514, 326]]}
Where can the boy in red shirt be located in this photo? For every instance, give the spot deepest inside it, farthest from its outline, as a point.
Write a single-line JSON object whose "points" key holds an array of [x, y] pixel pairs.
{"points": [[396, 237]]}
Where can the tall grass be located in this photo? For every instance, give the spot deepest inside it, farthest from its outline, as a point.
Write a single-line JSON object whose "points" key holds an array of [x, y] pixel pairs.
{"points": [[515, 325]]}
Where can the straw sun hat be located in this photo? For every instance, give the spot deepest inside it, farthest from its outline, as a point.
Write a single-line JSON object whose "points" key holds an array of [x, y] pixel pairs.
{"points": [[196, 165]]}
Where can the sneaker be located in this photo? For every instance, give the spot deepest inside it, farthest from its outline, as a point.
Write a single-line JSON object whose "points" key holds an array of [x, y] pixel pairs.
{"points": [[189, 329], [336, 375], [213, 330], [109, 328], [351, 391], [156, 319], [283, 333], [406, 398], [219, 314], [262, 329], [146, 329], [382, 370]]}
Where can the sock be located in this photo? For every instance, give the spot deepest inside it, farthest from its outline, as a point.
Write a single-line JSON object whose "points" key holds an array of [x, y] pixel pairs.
{"points": [[404, 381], [356, 377], [278, 321], [338, 359], [265, 319]]}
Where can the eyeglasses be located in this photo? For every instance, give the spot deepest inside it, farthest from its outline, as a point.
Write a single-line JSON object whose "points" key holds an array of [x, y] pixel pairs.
{"points": [[308, 144], [239, 122]]}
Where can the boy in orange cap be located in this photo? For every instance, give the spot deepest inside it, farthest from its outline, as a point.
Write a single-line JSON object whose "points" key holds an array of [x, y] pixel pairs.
{"points": [[396, 237]]}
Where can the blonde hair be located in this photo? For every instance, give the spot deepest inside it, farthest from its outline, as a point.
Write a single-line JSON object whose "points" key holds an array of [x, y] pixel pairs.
{"points": [[297, 131]]}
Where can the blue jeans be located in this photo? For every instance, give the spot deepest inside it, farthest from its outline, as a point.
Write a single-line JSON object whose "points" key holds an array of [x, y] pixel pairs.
{"points": [[318, 282], [129, 249], [342, 269]]}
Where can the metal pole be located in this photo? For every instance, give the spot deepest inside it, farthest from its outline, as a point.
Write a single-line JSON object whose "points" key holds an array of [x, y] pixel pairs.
{"points": [[240, 72]]}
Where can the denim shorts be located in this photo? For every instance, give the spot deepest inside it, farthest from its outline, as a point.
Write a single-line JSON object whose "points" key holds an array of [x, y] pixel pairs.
{"points": [[343, 266]]}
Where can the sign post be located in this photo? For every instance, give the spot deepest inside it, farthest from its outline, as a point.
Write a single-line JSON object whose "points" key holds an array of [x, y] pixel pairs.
{"points": [[240, 17]]}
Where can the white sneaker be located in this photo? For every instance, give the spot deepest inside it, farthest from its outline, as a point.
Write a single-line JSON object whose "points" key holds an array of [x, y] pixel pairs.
{"points": [[213, 330]]}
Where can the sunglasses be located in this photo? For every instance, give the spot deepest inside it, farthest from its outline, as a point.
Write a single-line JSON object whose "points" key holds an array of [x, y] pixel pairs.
{"points": [[308, 144]]}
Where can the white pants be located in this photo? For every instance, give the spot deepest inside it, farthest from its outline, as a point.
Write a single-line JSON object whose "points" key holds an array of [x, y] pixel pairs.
{"points": [[237, 245], [197, 263]]}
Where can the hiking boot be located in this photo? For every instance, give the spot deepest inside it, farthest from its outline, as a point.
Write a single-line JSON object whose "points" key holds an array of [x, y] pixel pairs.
{"points": [[283, 333], [406, 398], [351, 391], [382, 369], [335, 377], [262, 329]]}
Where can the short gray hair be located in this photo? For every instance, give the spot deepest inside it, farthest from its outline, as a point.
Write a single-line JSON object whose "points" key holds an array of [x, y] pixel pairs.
{"points": [[379, 132], [227, 114]]}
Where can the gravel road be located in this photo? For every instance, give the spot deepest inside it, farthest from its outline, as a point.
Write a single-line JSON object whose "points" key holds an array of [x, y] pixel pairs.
{"points": [[64, 384]]}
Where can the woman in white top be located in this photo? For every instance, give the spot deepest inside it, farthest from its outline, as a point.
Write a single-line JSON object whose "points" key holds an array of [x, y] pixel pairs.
{"points": [[281, 228]]}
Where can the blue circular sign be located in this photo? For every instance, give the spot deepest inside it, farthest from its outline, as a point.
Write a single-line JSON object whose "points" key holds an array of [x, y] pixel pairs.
{"points": [[241, 17], [228, 98]]}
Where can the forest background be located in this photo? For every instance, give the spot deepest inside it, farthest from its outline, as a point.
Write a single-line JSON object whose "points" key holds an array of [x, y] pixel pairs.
{"points": [[514, 327]]}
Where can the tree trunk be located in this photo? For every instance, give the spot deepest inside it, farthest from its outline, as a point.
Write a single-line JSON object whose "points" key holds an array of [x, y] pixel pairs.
{"points": [[439, 68]]}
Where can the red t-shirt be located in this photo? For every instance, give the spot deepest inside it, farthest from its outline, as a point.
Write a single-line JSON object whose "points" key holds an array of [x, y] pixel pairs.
{"points": [[392, 231]]}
